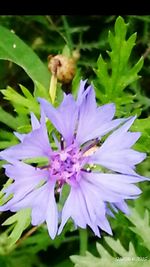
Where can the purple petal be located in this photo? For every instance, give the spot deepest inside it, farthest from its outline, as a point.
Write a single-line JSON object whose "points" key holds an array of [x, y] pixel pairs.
{"points": [[104, 192], [88, 208], [19, 170], [78, 213], [52, 214], [93, 118], [98, 132], [43, 205], [75, 213], [122, 206], [104, 224], [120, 161], [122, 158], [35, 144], [95, 207], [26, 177], [19, 201], [20, 136], [34, 122], [57, 143], [40, 205], [130, 156], [64, 118], [35, 125], [120, 138], [47, 211], [81, 92], [120, 184], [66, 212]]}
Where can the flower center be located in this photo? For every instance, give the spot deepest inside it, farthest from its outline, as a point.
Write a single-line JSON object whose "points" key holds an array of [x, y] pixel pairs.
{"points": [[66, 165]]}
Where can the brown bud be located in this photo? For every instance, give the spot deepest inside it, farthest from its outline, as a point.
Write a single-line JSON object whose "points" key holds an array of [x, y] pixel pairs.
{"points": [[62, 67]]}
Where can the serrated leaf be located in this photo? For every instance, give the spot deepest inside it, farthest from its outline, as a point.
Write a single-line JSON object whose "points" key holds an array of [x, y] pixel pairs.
{"points": [[14, 49], [40, 91], [85, 261], [8, 119], [141, 226], [26, 103], [2, 199], [115, 73], [26, 92], [21, 221], [120, 28], [118, 248], [7, 139], [127, 257], [143, 126], [102, 251]]}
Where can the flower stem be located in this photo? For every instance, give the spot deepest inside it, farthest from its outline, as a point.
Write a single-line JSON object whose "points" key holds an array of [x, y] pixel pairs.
{"points": [[83, 240], [68, 35], [30, 232], [52, 88]]}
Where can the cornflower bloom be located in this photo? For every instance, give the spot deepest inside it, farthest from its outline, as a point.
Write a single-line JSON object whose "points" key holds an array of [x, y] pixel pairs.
{"points": [[99, 170]]}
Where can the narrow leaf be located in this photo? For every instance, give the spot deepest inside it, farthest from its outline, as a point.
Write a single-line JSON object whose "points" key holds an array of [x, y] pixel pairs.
{"points": [[14, 49]]}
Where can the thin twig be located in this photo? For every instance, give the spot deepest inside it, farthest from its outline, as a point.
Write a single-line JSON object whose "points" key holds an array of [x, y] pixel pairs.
{"points": [[30, 232], [56, 28], [146, 52], [68, 35]]}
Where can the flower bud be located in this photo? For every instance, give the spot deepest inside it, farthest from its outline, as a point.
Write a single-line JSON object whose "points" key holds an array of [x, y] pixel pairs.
{"points": [[62, 67]]}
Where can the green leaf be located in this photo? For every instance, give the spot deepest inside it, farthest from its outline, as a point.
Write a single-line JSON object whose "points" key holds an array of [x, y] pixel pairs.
{"points": [[86, 261], [76, 83], [5, 144], [141, 226], [128, 257], [66, 51], [64, 194], [2, 199], [41, 161], [40, 91], [8, 119], [21, 221], [14, 49], [143, 126], [119, 249], [115, 74], [22, 104]]}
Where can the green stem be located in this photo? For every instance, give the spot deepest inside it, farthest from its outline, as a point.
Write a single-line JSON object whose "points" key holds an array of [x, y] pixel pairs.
{"points": [[68, 34], [83, 240], [55, 28]]}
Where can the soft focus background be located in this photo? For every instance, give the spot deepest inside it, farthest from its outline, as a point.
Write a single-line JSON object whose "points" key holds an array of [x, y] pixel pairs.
{"points": [[24, 75]]}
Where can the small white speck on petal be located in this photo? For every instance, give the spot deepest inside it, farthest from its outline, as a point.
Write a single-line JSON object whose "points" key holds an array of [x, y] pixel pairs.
{"points": [[14, 45]]}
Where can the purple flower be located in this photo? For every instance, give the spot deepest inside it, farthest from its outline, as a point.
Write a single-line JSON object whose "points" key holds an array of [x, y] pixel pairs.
{"points": [[99, 171]]}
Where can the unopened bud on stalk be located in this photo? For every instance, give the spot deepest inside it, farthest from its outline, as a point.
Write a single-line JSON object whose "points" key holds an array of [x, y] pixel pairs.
{"points": [[63, 69]]}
